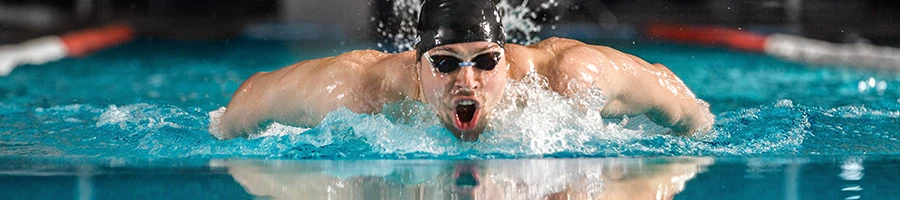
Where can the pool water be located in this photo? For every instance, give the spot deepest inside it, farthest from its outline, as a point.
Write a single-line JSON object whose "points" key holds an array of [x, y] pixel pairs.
{"points": [[138, 115], [804, 177]]}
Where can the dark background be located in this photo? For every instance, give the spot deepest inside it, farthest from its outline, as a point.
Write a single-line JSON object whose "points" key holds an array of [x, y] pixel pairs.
{"points": [[875, 21]]}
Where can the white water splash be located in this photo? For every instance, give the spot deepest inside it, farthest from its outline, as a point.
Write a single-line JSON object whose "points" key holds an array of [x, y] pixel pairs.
{"points": [[518, 23], [530, 120], [273, 130], [534, 120], [407, 13], [215, 118], [142, 116], [114, 115]]}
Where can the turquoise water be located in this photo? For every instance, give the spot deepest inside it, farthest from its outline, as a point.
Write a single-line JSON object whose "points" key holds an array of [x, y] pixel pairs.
{"points": [[146, 106], [804, 177], [151, 99]]}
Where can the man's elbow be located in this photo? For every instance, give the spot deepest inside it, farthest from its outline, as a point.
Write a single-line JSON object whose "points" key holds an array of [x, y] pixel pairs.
{"points": [[695, 122], [227, 127], [226, 134], [243, 112]]}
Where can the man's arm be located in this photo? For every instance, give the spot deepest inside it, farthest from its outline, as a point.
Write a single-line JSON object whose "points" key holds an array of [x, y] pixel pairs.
{"points": [[631, 85], [287, 95], [303, 93], [654, 89]]}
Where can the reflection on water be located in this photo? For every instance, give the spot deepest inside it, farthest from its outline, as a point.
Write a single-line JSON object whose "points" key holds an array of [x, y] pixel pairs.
{"points": [[737, 178], [607, 178], [852, 171]]}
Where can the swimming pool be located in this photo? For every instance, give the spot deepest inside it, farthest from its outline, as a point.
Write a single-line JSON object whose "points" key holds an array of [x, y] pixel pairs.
{"points": [[132, 122]]}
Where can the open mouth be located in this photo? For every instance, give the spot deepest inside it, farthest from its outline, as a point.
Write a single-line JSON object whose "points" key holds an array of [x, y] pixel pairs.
{"points": [[466, 178], [466, 114]]}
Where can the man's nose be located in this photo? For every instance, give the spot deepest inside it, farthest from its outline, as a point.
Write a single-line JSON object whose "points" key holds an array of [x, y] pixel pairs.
{"points": [[466, 78]]}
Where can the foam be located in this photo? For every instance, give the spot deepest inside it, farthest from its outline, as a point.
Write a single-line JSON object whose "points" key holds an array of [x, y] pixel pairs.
{"points": [[273, 130], [547, 123], [215, 118], [143, 116], [860, 112], [530, 121], [114, 115]]}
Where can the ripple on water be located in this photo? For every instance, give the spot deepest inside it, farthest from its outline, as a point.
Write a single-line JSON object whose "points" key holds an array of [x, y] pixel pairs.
{"points": [[531, 122], [536, 122]]}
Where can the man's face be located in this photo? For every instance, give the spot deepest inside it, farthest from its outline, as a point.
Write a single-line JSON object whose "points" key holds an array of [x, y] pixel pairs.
{"points": [[464, 94]]}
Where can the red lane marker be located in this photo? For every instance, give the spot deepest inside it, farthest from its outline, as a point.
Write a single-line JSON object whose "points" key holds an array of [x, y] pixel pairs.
{"points": [[738, 39], [85, 42]]}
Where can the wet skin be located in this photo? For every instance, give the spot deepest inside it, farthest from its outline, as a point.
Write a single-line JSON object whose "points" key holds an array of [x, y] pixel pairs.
{"points": [[363, 81], [447, 91]]}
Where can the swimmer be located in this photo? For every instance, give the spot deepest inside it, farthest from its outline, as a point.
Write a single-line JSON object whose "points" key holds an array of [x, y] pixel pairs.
{"points": [[460, 66]]}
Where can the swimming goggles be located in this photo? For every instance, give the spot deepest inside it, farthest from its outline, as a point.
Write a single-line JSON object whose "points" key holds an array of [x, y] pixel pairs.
{"points": [[447, 63]]}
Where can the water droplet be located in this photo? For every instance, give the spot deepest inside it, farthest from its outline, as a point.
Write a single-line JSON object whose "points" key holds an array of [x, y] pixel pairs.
{"points": [[517, 22]]}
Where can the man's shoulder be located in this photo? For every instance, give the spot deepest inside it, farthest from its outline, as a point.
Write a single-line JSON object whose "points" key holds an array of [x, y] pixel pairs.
{"points": [[358, 59], [364, 56], [373, 56], [556, 47], [557, 44], [571, 47]]}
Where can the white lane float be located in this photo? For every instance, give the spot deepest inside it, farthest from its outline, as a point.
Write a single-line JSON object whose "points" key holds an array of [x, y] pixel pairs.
{"points": [[784, 46]]}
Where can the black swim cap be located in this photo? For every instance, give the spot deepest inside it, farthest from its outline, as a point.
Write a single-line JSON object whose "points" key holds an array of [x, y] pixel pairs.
{"points": [[443, 22]]}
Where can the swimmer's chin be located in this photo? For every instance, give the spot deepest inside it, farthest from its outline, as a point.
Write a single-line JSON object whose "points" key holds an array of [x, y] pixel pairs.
{"points": [[466, 135], [469, 134]]}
